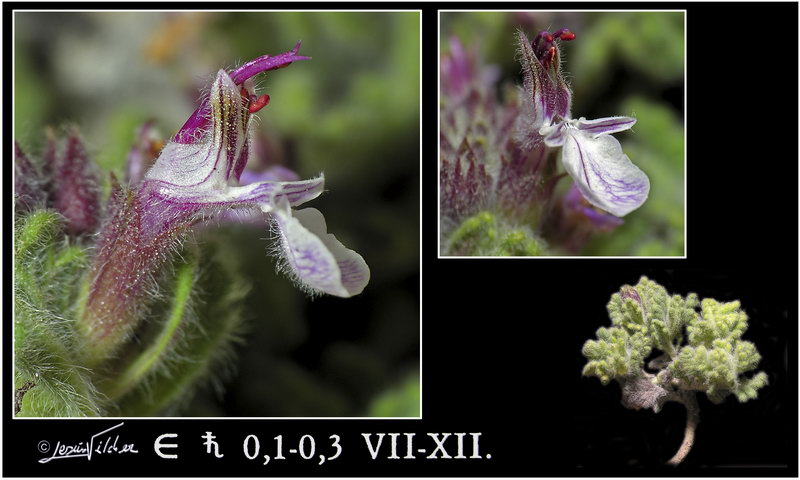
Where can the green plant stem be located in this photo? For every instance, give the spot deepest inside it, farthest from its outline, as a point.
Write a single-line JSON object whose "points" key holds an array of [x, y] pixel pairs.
{"points": [[145, 362]]}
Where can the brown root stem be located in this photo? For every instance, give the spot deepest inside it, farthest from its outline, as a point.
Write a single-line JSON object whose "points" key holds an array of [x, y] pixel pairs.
{"points": [[689, 400], [21, 391]]}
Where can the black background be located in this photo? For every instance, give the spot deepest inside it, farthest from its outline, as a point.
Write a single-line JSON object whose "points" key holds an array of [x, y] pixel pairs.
{"points": [[502, 338]]}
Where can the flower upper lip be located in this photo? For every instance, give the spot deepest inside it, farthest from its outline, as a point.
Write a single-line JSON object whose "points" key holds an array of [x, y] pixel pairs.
{"points": [[603, 174], [198, 121]]}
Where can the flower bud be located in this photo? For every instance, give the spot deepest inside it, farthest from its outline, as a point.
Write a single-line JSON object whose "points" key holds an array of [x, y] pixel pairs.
{"points": [[76, 195], [143, 153], [27, 182]]}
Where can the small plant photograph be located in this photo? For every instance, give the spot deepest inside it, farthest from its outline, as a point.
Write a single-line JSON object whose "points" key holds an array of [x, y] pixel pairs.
{"points": [[216, 214], [561, 134], [664, 348]]}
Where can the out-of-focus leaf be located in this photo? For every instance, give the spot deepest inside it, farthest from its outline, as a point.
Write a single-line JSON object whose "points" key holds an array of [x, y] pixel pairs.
{"points": [[400, 401]]}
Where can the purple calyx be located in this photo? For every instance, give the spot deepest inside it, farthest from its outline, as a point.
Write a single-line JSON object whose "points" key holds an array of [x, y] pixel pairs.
{"points": [[630, 292], [544, 44], [199, 120]]}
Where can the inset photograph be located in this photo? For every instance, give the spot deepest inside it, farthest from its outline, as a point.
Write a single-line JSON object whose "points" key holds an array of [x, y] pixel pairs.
{"points": [[562, 134], [685, 368]]}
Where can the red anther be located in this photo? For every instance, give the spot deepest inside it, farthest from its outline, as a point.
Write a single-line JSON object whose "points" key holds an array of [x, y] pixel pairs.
{"points": [[549, 38], [567, 36], [258, 103], [564, 34]]}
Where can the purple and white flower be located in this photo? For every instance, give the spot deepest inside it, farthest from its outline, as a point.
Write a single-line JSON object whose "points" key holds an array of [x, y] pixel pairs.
{"points": [[594, 159], [201, 168], [199, 172], [197, 177]]}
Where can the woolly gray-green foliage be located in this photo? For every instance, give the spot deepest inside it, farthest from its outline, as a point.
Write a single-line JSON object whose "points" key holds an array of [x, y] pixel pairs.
{"points": [[716, 357], [699, 352], [702, 351], [48, 375], [185, 340]]}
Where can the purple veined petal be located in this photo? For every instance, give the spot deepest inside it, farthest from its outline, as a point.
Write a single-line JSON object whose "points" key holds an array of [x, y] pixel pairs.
{"points": [[299, 191], [604, 175], [554, 135], [315, 258], [604, 126], [199, 119], [210, 160], [195, 126], [261, 194], [243, 159], [275, 173], [600, 221]]}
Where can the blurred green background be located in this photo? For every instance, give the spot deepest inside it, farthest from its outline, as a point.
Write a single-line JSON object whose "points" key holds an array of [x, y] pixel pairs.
{"points": [[621, 63], [351, 112]]}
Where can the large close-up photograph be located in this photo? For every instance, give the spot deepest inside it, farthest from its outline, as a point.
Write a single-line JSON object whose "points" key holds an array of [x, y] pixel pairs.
{"points": [[216, 214], [561, 134], [234, 232]]}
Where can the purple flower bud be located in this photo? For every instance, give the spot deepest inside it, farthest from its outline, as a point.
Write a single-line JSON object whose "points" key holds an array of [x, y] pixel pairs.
{"points": [[464, 191], [76, 194], [630, 292], [457, 69], [460, 69], [147, 145], [27, 182]]}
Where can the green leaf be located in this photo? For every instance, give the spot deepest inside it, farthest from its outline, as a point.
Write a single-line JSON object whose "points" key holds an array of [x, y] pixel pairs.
{"points": [[400, 401]]}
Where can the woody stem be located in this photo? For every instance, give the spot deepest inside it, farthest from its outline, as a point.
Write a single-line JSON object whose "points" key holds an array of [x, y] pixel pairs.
{"points": [[689, 400]]}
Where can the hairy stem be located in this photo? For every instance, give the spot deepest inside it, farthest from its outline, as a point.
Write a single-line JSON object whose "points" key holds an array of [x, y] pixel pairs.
{"points": [[148, 360], [689, 400]]}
